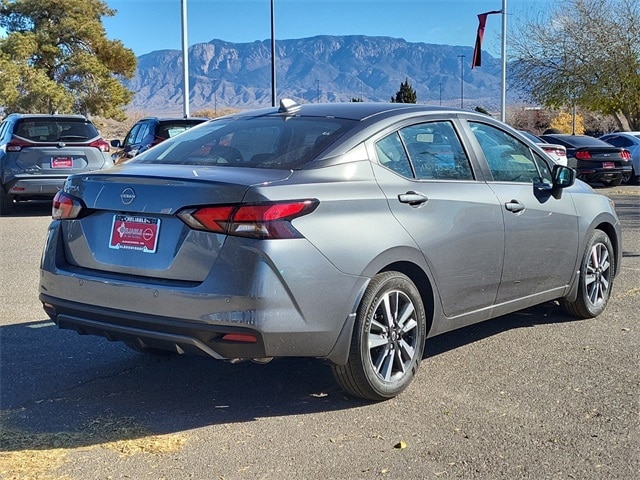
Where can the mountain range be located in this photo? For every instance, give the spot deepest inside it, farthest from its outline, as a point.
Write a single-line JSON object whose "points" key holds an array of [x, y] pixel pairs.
{"points": [[225, 75]]}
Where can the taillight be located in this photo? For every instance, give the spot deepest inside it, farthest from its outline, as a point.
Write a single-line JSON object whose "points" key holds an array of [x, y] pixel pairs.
{"points": [[66, 207], [15, 145], [626, 155], [100, 144], [260, 220], [555, 151], [583, 155]]}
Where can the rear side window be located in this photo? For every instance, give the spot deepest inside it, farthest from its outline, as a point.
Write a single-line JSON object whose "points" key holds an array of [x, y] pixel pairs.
{"points": [[426, 151], [436, 152], [55, 129], [264, 142], [619, 141]]}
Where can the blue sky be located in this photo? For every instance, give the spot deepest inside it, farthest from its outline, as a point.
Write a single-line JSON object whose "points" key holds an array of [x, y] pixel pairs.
{"points": [[148, 25]]}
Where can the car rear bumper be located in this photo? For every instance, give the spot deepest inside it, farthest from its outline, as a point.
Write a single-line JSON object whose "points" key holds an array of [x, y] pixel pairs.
{"points": [[603, 175], [256, 307], [39, 186]]}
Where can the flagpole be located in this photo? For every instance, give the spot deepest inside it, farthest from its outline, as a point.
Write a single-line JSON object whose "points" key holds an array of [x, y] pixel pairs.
{"points": [[503, 100]]}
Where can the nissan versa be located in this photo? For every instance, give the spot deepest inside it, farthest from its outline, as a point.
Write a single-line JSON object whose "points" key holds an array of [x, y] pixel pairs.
{"points": [[346, 232]]}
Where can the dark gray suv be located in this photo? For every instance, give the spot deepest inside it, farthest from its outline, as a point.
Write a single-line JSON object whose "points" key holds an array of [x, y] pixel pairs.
{"points": [[39, 152]]}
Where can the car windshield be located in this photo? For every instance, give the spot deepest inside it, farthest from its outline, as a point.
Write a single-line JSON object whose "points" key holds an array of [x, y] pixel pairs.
{"points": [[277, 142], [55, 130]]}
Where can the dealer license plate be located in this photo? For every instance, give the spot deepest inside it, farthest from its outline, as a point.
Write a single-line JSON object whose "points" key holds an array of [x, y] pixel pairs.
{"points": [[131, 232], [61, 162], [608, 165]]}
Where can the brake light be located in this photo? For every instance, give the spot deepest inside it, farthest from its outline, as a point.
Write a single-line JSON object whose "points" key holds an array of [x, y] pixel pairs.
{"points": [[66, 207], [555, 151], [16, 145], [583, 155], [626, 155], [100, 144], [261, 220]]}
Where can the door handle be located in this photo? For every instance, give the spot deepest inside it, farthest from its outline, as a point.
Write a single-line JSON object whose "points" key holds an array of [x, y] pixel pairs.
{"points": [[514, 206], [413, 198]]}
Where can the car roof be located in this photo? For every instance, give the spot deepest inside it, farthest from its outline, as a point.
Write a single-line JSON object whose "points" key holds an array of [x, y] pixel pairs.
{"points": [[346, 110], [621, 134], [174, 119], [49, 115]]}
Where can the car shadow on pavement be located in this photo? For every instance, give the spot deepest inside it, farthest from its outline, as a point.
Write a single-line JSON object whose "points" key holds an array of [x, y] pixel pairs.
{"points": [[32, 208], [546, 313], [57, 384]]}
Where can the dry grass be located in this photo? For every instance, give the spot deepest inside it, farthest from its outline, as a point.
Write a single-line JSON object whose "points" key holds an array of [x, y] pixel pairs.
{"points": [[37, 456]]}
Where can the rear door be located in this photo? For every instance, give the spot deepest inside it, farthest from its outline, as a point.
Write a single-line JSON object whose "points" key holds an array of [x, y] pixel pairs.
{"points": [[455, 220]]}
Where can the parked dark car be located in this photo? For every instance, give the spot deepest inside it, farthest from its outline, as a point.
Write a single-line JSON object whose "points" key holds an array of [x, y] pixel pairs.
{"points": [[629, 141], [555, 151], [594, 160], [347, 232], [39, 152], [149, 132]]}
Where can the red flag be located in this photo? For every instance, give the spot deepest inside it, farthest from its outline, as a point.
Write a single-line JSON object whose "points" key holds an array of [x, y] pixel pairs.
{"points": [[477, 51]]}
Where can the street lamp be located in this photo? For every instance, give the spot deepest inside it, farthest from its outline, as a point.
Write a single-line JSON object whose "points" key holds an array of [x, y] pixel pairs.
{"points": [[461, 57]]}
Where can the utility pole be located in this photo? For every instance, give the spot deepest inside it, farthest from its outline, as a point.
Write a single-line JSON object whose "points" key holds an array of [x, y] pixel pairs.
{"points": [[440, 87], [185, 59], [461, 57]]}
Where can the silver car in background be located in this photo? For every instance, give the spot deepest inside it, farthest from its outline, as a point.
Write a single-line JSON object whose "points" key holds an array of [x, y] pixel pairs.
{"points": [[346, 232], [39, 151]]}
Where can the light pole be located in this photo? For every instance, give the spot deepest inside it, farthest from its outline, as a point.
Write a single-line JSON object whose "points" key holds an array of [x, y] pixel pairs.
{"points": [[440, 87], [185, 59], [461, 57], [273, 56]]}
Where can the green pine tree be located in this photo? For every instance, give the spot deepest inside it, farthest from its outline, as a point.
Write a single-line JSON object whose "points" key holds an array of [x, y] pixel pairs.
{"points": [[406, 94], [56, 58]]}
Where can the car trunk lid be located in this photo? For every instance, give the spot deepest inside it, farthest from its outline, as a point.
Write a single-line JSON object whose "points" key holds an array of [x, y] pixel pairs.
{"points": [[130, 227]]}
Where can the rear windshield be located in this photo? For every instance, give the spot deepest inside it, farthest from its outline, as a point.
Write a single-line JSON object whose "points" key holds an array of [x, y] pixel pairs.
{"points": [[168, 129], [582, 141], [55, 130], [265, 142]]}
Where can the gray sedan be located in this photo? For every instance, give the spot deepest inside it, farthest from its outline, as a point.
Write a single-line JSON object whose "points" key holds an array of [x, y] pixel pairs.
{"points": [[346, 232]]}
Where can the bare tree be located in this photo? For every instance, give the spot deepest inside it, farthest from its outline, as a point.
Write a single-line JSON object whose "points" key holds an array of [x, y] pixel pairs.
{"points": [[582, 53]]}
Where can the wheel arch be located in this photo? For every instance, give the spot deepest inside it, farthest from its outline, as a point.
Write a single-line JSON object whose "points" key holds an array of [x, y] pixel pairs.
{"points": [[612, 233], [421, 280]]}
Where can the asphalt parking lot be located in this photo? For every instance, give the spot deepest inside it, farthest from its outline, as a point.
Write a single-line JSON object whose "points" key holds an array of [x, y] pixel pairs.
{"points": [[534, 395]]}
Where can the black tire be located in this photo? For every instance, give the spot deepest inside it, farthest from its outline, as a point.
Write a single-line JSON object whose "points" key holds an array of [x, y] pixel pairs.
{"points": [[596, 278], [6, 203], [634, 178], [612, 183], [388, 339]]}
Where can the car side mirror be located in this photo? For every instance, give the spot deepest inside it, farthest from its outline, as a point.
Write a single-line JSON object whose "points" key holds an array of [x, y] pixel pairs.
{"points": [[116, 143], [563, 177]]}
